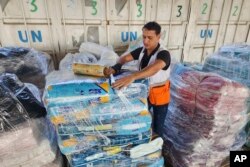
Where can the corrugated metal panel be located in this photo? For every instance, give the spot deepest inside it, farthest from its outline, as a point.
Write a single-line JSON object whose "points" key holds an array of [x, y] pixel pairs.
{"points": [[79, 10], [28, 23], [191, 29], [3, 3], [1, 25], [169, 10], [248, 38], [18, 34], [124, 34], [132, 10], [76, 34], [80, 21], [214, 23], [32, 11], [237, 27], [203, 27], [173, 16], [173, 36]]}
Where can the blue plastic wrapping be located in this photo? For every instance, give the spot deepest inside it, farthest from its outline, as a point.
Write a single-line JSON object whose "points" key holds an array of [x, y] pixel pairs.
{"points": [[232, 61], [96, 124], [115, 156]]}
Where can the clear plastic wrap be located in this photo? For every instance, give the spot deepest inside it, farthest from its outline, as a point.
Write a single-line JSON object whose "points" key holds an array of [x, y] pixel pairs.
{"points": [[82, 57], [34, 90], [232, 61], [205, 118], [148, 154], [27, 145], [91, 60], [33, 106], [12, 113], [24, 141], [67, 85], [241, 51], [28, 64], [104, 55], [96, 125], [93, 48]]}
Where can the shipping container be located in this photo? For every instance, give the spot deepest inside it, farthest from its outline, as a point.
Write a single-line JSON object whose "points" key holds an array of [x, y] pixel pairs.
{"points": [[191, 29], [214, 23]]}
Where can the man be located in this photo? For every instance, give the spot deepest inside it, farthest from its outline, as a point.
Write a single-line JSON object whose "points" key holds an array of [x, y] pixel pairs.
{"points": [[154, 62]]}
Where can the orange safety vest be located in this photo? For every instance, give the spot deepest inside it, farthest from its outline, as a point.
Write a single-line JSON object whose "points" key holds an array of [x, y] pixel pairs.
{"points": [[158, 95]]}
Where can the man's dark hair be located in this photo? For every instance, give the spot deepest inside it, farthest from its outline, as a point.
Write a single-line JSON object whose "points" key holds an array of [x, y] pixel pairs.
{"points": [[153, 26]]}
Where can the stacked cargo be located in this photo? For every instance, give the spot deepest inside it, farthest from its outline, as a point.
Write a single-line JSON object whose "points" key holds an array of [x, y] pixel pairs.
{"points": [[24, 132], [233, 62], [205, 119], [29, 65], [97, 125], [26, 136]]}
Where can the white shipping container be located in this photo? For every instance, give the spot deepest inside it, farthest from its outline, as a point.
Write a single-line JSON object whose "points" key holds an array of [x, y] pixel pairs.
{"points": [[76, 34], [169, 10], [172, 39], [28, 23], [191, 29], [79, 10], [123, 35], [29, 10], [237, 28], [214, 23], [203, 28], [128, 10], [37, 36]]}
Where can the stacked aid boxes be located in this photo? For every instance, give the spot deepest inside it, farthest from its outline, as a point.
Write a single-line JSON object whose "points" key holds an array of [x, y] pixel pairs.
{"points": [[97, 125]]}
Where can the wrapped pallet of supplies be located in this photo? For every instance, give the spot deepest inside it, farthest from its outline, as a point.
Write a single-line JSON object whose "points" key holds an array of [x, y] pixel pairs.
{"points": [[28, 64], [241, 51], [205, 119], [65, 85], [11, 110], [97, 125], [233, 62], [148, 154], [24, 141], [31, 103]]}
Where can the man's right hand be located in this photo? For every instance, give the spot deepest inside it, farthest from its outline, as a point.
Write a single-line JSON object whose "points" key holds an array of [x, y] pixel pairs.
{"points": [[108, 71]]}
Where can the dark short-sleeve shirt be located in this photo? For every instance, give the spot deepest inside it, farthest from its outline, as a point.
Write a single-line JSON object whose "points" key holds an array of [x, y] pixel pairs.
{"points": [[163, 55]]}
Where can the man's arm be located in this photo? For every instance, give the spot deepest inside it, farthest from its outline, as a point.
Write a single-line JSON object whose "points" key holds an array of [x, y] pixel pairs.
{"points": [[114, 69], [146, 72], [124, 59]]}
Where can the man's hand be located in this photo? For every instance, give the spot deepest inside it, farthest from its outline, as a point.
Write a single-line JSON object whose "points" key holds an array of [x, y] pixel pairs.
{"points": [[123, 82], [108, 71]]}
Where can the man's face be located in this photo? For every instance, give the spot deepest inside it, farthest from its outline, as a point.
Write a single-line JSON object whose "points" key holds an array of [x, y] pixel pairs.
{"points": [[150, 39]]}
